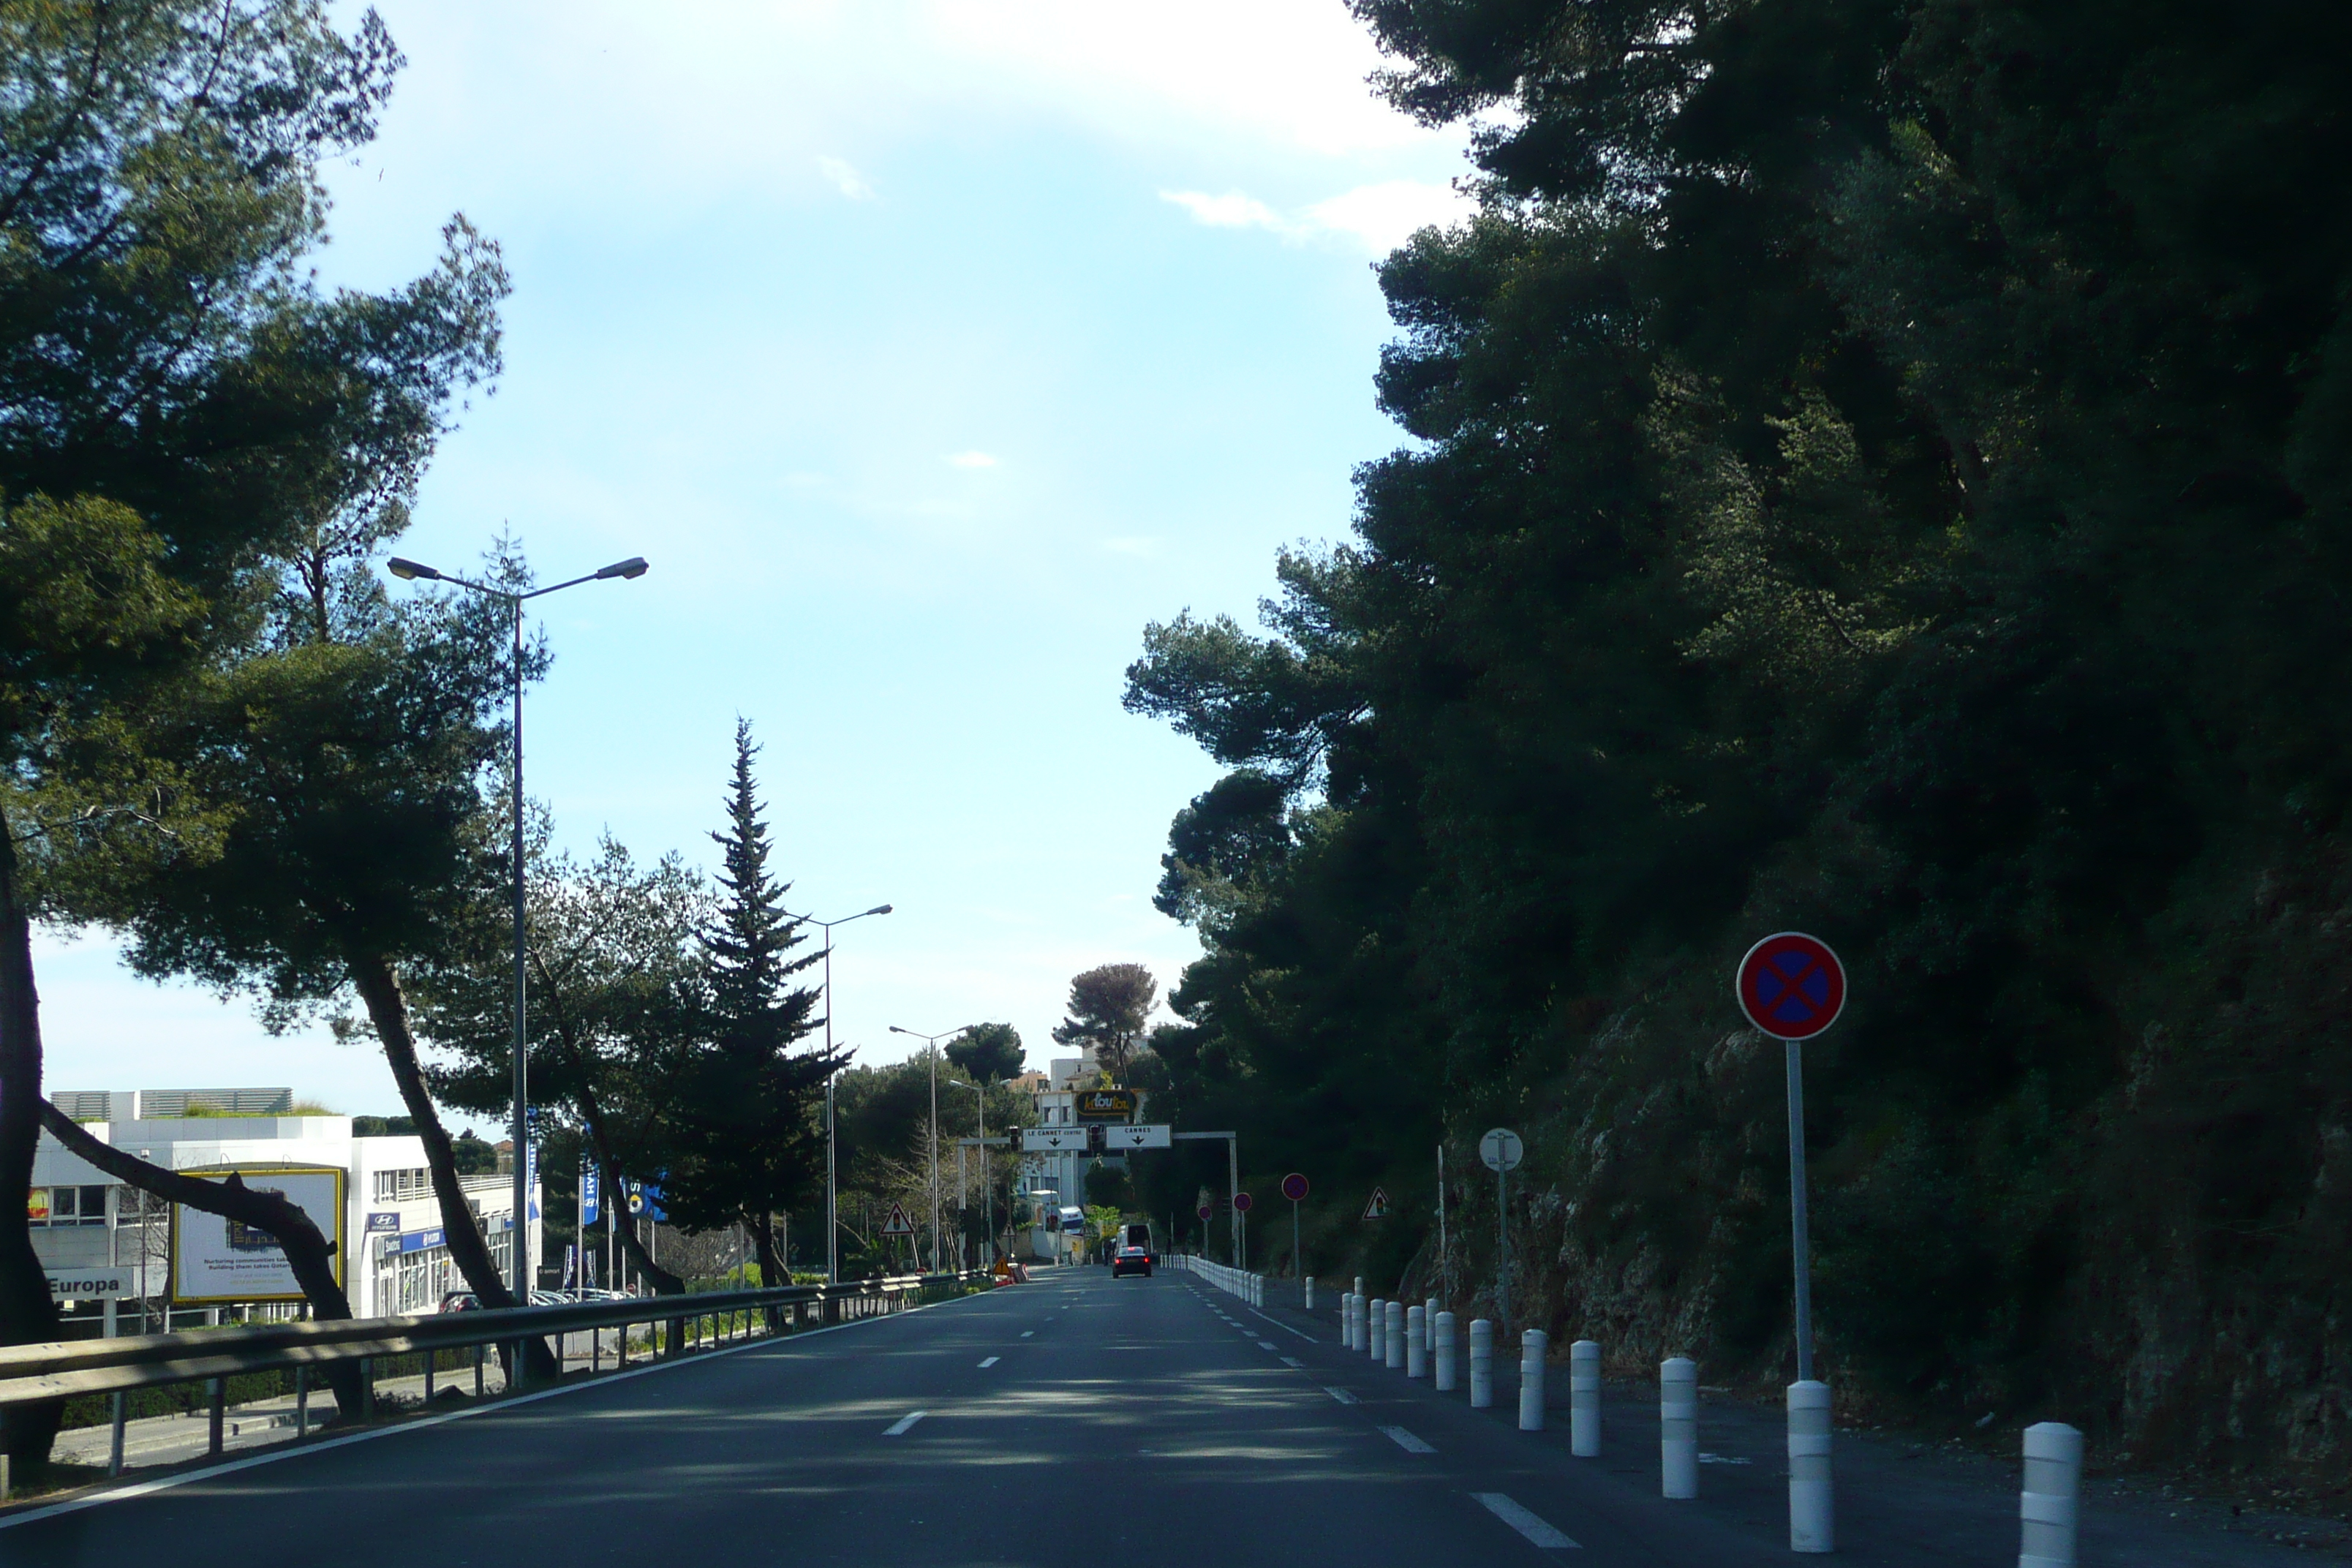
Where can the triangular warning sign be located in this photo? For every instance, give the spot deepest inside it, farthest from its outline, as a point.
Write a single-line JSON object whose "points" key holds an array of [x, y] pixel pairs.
{"points": [[1379, 1207], [898, 1224]]}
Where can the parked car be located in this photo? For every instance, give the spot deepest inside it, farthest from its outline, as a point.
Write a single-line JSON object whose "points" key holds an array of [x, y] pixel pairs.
{"points": [[461, 1301]]}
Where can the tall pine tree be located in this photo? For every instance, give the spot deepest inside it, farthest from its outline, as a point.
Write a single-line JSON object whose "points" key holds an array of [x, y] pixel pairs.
{"points": [[748, 1111]]}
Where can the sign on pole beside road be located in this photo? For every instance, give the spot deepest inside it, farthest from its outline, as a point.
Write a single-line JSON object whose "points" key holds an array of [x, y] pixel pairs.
{"points": [[1791, 985], [1242, 1201], [1294, 1186], [1379, 1206], [898, 1224], [1502, 1150]]}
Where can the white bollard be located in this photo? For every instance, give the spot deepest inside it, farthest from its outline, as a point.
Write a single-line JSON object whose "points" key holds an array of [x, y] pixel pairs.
{"points": [[1310, 1292], [1443, 1357], [1346, 1319], [1376, 1321], [1356, 1331], [1584, 1399], [1416, 1343], [1481, 1364], [1359, 1284], [2053, 1478], [1678, 1428], [1429, 1322], [1813, 1525], [1532, 1346], [1394, 1342]]}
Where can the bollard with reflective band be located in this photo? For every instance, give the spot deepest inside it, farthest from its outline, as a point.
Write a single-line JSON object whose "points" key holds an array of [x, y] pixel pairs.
{"points": [[1346, 1319], [1310, 1292], [1429, 1323], [1356, 1330], [1416, 1343], [1812, 1523], [2054, 1476], [1442, 1358], [1481, 1364], [1533, 1344], [1394, 1341], [1584, 1399], [1376, 1323], [1678, 1428]]}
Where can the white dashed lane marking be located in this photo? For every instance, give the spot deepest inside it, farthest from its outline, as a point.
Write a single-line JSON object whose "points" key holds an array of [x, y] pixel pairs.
{"points": [[1406, 1440], [1341, 1395], [904, 1422], [1525, 1523], [1026, 1332], [989, 1363]]}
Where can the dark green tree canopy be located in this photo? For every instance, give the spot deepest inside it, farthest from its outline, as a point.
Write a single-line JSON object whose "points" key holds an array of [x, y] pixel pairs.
{"points": [[989, 1053]]}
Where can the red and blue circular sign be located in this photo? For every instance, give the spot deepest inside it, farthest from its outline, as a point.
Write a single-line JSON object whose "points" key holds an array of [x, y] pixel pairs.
{"points": [[1242, 1203], [1791, 985], [1294, 1186], [1206, 1211]]}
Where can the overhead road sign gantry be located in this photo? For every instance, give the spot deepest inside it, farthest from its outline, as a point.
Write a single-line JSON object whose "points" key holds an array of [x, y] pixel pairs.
{"points": [[1095, 1137]]}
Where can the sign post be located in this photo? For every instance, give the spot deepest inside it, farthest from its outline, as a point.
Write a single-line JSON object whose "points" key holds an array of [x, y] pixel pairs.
{"points": [[1502, 1151], [1792, 987], [1294, 1187], [1242, 1203]]}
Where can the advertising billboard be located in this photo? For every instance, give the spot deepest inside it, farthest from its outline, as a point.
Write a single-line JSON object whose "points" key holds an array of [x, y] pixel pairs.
{"points": [[216, 1260]]}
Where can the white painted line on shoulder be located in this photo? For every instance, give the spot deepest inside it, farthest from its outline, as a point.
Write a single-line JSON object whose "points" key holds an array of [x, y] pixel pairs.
{"points": [[898, 1429], [1406, 1440], [992, 1361], [1286, 1328], [1521, 1520], [1341, 1395]]}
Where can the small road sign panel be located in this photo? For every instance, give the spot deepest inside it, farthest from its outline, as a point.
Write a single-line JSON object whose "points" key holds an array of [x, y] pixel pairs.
{"points": [[1501, 1148], [1379, 1207], [898, 1224], [1242, 1201], [1791, 985], [1137, 1135], [1206, 1211], [1294, 1186]]}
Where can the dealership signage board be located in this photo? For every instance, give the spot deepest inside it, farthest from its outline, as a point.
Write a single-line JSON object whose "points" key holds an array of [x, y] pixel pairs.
{"points": [[216, 1260], [103, 1283]]}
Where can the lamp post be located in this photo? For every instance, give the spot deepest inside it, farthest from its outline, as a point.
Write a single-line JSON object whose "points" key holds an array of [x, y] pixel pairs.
{"points": [[410, 571], [987, 1195], [832, 1167], [933, 1041]]}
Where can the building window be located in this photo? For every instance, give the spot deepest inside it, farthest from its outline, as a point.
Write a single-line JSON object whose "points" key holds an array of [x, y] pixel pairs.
{"points": [[60, 1206], [393, 1186]]}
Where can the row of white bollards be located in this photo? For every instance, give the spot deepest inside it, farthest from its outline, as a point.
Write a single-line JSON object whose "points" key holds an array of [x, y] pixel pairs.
{"points": [[1420, 1339]]}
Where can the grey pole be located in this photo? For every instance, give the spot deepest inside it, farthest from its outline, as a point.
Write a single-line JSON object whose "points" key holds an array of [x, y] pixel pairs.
{"points": [[832, 1166], [1234, 1189], [1502, 1254], [935, 1159], [634, 567], [1801, 1240]]}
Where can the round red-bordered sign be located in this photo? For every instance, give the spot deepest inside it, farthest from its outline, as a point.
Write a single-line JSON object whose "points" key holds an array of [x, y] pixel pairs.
{"points": [[1206, 1211], [1242, 1201], [1791, 985], [1294, 1186]]}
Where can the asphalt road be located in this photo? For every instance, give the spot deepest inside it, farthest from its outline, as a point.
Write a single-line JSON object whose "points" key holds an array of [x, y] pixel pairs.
{"points": [[1076, 1420]]}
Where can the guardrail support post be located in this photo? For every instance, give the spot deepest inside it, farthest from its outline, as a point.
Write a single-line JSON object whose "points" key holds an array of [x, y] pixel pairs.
{"points": [[431, 1357], [1812, 1523], [2053, 1478], [1442, 1353], [1481, 1364], [216, 1412], [1584, 1399], [1678, 1428], [4, 1488], [114, 1445], [1416, 1341], [302, 1402]]}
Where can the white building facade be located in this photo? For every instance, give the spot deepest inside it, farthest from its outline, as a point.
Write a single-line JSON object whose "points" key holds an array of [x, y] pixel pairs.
{"points": [[106, 1246]]}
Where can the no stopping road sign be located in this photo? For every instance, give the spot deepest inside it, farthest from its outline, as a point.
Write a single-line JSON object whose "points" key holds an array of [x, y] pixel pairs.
{"points": [[1791, 985]]}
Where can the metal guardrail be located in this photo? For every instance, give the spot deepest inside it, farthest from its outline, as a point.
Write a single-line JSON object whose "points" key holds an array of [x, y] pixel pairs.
{"points": [[64, 1369]]}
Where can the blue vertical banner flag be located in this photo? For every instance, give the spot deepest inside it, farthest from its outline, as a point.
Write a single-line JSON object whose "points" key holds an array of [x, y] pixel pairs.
{"points": [[531, 1175], [591, 1205], [570, 1265]]}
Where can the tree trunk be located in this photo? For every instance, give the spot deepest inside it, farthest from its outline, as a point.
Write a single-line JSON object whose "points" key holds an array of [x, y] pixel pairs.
{"points": [[308, 1253], [28, 1313], [773, 1274], [388, 1011]]}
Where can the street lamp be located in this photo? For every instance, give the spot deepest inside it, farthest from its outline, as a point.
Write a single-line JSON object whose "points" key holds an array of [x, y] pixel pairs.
{"points": [[987, 1192], [410, 571], [832, 1167], [933, 1041]]}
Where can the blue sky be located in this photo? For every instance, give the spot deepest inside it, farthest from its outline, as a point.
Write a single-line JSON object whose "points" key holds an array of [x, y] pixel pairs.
{"points": [[928, 351]]}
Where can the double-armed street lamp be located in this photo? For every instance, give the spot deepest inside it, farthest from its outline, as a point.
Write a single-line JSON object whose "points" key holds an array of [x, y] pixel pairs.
{"points": [[933, 1041], [832, 1166], [410, 571]]}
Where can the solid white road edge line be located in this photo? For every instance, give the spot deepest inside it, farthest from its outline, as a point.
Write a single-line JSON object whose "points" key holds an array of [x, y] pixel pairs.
{"points": [[1522, 1520], [1286, 1328], [165, 1483], [898, 1427]]}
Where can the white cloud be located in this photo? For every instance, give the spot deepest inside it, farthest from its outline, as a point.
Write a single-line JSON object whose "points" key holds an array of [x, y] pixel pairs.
{"points": [[973, 460], [1377, 216], [846, 180]]}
